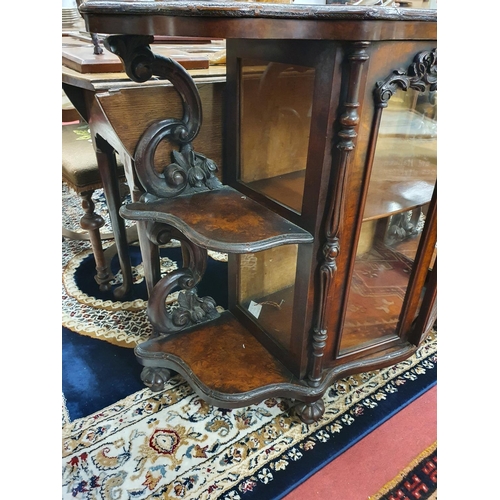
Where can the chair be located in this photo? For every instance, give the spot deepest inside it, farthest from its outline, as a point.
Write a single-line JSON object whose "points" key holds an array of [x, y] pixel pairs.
{"points": [[80, 172]]}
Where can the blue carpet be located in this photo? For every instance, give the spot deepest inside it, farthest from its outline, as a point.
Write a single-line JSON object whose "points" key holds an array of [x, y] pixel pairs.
{"points": [[214, 282], [97, 374]]}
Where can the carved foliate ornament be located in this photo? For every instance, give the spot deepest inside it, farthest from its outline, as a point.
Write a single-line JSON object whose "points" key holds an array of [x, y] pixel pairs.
{"points": [[420, 74], [189, 171]]}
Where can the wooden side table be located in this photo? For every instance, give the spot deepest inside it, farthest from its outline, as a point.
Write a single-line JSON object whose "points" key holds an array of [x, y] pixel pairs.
{"points": [[327, 206]]}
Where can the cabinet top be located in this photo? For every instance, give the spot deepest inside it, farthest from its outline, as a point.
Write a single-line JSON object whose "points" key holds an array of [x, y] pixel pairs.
{"points": [[254, 20]]}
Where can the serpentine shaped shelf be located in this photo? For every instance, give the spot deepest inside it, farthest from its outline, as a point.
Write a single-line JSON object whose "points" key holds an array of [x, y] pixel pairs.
{"points": [[223, 220], [228, 367]]}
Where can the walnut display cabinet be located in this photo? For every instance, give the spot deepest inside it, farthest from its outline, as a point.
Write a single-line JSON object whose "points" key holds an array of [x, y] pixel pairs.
{"points": [[327, 205]]}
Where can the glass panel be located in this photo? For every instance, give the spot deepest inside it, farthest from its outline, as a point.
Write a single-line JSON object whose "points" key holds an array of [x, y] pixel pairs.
{"points": [[276, 103], [401, 186], [266, 289]]}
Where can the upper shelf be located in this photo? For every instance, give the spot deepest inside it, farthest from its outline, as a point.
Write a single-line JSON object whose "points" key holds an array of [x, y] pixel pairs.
{"points": [[255, 20], [223, 220]]}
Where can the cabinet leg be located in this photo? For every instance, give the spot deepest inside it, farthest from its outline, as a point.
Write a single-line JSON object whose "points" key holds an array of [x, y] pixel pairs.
{"points": [[155, 378], [310, 412]]}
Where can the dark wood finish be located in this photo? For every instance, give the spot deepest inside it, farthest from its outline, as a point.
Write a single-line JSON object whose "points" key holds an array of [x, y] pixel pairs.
{"points": [[106, 161], [359, 56], [219, 341], [223, 220], [80, 172], [244, 20], [92, 223], [229, 368]]}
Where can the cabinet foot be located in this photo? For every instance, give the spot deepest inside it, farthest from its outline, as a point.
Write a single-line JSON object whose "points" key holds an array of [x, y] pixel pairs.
{"points": [[155, 378], [310, 412]]}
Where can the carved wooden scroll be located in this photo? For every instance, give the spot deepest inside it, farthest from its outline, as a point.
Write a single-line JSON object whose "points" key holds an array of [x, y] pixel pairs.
{"points": [[421, 73], [191, 308], [189, 171]]}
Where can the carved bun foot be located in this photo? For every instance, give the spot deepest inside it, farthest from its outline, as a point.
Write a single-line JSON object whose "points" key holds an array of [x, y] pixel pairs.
{"points": [[310, 412], [155, 378]]}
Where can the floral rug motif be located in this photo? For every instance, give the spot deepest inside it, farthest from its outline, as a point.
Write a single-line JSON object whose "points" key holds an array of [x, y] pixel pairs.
{"points": [[172, 444]]}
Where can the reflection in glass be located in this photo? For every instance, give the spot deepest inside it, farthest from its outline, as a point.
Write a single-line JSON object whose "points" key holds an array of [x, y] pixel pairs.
{"points": [[266, 289], [401, 186], [275, 129]]}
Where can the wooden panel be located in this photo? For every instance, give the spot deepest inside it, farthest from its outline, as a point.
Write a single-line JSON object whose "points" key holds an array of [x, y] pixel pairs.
{"points": [[275, 123], [264, 273], [131, 111]]}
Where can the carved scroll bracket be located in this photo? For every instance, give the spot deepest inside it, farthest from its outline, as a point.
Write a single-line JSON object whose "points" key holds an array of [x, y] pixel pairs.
{"points": [[191, 308], [349, 122], [420, 74], [189, 171]]}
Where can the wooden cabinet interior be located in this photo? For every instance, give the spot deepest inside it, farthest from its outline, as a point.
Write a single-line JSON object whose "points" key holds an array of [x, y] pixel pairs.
{"points": [[327, 202]]}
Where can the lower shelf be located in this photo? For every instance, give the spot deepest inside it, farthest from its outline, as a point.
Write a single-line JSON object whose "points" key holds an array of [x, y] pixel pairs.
{"points": [[227, 367], [223, 362]]}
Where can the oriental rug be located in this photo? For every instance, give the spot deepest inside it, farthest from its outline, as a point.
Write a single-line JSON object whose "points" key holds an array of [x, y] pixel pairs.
{"points": [[418, 481], [171, 444], [122, 441]]}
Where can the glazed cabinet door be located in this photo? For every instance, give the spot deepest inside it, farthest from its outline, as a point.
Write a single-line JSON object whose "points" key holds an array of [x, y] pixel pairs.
{"points": [[392, 285]]}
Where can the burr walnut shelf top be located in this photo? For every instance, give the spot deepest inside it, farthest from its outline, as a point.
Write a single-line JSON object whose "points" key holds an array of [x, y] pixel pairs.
{"points": [[223, 219], [222, 355]]}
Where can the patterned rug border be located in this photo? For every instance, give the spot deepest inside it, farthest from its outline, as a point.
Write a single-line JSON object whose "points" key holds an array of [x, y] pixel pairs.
{"points": [[126, 323], [393, 483], [370, 392], [73, 291]]}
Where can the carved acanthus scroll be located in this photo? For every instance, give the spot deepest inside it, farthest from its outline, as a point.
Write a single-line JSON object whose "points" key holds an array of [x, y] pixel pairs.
{"points": [[190, 309], [420, 74], [189, 171]]}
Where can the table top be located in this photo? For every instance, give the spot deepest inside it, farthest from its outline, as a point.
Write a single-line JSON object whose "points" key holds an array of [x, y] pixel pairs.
{"points": [[98, 82], [102, 80], [254, 20]]}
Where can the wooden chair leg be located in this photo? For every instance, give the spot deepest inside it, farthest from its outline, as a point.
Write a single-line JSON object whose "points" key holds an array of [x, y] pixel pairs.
{"points": [[92, 223], [106, 162]]}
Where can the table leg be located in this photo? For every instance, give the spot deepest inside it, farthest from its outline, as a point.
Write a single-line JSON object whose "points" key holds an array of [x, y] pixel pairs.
{"points": [[92, 223], [106, 162], [149, 252]]}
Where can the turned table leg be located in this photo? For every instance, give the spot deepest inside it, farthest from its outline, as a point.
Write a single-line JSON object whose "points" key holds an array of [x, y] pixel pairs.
{"points": [[92, 223]]}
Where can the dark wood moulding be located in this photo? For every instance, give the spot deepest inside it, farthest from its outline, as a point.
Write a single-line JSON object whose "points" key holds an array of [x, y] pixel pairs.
{"points": [[259, 21]]}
